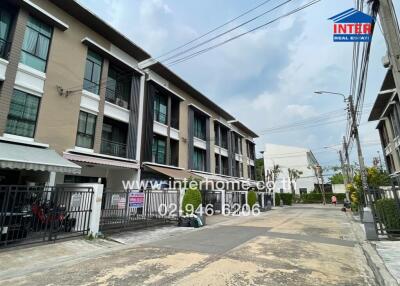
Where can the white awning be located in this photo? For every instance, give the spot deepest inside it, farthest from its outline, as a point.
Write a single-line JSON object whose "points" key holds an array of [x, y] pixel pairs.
{"points": [[15, 156]]}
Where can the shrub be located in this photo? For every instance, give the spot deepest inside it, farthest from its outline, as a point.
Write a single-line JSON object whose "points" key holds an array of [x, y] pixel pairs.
{"points": [[191, 197], [390, 214], [252, 198], [287, 198]]}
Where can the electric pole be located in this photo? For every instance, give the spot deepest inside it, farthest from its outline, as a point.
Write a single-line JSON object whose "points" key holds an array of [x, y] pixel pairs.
{"points": [[348, 166], [390, 28], [354, 129], [344, 172]]}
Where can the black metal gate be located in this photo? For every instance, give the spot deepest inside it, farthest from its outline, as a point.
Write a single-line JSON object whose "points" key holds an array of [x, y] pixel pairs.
{"points": [[212, 199], [235, 200], [127, 210], [43, 214]]}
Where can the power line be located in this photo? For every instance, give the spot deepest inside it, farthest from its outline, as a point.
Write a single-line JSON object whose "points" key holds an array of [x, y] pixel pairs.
{"points": [[244, 33], [213, 30]]}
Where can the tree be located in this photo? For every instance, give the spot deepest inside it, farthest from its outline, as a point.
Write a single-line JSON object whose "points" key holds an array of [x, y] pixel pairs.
{"points": [[375, 178], [294, 175], [337, 179], [273, 174], [259, 169]]}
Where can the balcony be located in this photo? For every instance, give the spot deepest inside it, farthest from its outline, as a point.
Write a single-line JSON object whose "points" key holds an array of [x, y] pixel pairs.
{"points": [[116, 98], [4, 49], [113, 148]]}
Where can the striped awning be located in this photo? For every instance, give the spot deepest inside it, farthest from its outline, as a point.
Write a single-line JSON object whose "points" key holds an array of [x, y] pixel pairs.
{"points": [[23, 157]]}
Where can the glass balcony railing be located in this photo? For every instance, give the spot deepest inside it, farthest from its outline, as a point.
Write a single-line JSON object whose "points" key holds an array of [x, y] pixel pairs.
{"points": [[4, 49], [113, 148]]}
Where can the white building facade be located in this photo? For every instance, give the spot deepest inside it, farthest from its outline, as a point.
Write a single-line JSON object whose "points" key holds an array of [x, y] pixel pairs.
{"points": [[295, 158]]}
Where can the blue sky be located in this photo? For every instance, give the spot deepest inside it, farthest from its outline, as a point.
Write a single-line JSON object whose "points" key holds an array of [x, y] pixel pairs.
{"points": [[267, 78]]}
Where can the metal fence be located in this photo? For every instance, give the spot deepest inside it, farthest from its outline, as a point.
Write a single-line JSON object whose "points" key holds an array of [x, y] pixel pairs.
{"points": [[212, 199], [126, 210], [40, 214], [385, 206], [235, 200]]}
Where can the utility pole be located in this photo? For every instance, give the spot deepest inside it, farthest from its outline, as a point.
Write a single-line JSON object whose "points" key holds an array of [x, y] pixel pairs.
{"points": [[348, 166], [344, 172], [322, 187], [390, 28], [354, 129]]}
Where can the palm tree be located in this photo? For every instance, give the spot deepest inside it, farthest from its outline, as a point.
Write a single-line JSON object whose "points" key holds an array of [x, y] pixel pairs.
{"points": [[294, 175], [273, 174]]}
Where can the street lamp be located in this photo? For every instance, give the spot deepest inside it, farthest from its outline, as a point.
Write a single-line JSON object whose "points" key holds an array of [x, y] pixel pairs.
{"points": [[329, 92]]}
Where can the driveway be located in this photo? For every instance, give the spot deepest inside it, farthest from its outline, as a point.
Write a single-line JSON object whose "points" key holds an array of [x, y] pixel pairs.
{"points": [[310, 245]]}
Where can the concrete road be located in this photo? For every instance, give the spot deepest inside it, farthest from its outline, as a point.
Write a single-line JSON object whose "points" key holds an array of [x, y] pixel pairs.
{"points": [[311, 245]]}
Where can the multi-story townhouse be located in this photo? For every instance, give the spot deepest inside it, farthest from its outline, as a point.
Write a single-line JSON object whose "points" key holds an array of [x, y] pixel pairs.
{"points": [[386, 111], [71, 83], [186, 134]]}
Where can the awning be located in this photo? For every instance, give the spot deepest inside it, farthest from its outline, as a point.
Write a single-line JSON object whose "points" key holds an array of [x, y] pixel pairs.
{"points": [[176, 174], [15, 156], [97, 160], [211, 177]]}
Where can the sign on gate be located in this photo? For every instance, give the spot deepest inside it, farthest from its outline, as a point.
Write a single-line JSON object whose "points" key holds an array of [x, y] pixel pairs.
{"points": [[136, 200]]}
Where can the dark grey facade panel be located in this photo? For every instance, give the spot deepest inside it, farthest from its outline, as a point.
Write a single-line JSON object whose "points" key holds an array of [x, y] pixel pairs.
{"points": [[208, 145], [148, 122], [190, 137], [133, 117]]}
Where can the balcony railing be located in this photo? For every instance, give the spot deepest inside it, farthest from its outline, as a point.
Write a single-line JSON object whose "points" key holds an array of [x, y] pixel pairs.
{"points": [[113, 97], [4, 49], [113, 148]]}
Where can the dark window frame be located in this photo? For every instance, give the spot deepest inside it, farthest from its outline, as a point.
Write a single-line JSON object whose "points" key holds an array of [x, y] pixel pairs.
{"points": [[160, 99], [199, 127], [91, 59], [85, 134], [199, 159], [156, 149]]}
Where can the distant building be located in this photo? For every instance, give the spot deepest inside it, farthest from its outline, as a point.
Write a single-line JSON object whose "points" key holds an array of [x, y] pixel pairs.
{"points": [[288, 157]]}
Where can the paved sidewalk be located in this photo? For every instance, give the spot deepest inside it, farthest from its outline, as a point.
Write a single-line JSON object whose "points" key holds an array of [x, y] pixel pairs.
{"points": [[390, 253]]}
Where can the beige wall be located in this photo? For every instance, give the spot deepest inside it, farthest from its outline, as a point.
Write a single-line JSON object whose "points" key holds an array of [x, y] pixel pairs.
{"points": [[58, 115]]}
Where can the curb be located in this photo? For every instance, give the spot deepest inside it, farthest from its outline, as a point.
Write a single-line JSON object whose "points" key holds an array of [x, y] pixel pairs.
{"points": [[382, 275], [375, 262]]}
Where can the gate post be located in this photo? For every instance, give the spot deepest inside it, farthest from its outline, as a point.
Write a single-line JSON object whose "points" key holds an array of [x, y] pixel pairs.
{"points": [[222, 202], [94, 222]]}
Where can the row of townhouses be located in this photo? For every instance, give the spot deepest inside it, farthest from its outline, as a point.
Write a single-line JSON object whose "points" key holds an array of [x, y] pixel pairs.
{"points": [[77, 105]]}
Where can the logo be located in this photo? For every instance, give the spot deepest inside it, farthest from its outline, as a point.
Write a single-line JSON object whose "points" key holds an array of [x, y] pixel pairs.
{"points": [[352, 26]]}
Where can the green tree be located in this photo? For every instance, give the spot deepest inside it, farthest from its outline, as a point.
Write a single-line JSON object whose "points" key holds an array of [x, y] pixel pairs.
{"points": [[260, 169], [375, 178], [337, 179]]}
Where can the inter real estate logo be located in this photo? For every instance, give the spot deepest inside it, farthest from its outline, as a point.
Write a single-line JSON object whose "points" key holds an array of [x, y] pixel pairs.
{"points": [[352, 26]]}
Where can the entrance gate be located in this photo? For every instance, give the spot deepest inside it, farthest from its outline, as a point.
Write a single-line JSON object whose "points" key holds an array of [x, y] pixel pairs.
{"points": [[127, 210], [43, 214]]}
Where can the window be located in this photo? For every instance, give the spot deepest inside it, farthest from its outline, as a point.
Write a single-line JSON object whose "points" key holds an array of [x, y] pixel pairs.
{"points": [[199, 159], [86, 130], [217, 166], [216, 134], [5, 23], [35, 48], [92, 77], [199, 127], [118, 87], [303, 191], [159, 149], [224, 138], [160, 108], [23, 113]]}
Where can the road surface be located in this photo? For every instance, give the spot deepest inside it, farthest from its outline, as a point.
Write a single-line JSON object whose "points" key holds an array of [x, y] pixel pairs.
{"points": [[311, 245]]}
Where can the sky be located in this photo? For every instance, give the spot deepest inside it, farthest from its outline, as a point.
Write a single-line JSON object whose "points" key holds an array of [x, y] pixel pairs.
{"points": [[267, 78]]}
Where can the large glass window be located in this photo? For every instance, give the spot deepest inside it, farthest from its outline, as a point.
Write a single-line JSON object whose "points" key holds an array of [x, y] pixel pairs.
{"points": [[5, 23], [92, 77], [86, 130], [35, 48], [160, 108], [199, 159], [118, 87], [159, 149], [23, 114], [199, 127]]}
